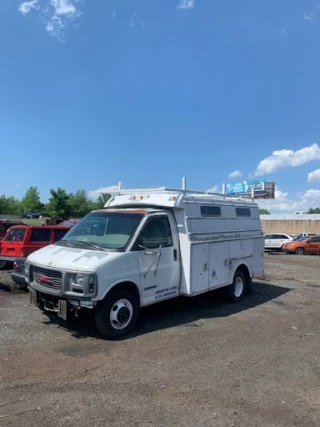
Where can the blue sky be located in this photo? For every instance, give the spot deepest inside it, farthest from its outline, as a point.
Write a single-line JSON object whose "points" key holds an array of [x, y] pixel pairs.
{"points": [[148, 91]]}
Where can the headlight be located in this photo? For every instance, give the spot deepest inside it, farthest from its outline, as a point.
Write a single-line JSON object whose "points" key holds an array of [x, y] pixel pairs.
{"points": [[83, 283], [26, 269], [80, 279]]}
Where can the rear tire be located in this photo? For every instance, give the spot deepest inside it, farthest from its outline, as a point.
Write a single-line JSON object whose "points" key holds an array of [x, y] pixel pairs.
{"points": [[300, 251], [3, 265], [237, 290], [117, 315]]}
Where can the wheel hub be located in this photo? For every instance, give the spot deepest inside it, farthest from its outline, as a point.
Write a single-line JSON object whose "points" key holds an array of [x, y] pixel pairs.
{"points": [[123, 315]]}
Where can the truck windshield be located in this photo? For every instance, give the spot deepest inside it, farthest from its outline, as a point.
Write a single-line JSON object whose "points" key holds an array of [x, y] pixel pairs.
{"points": [[107, 230]]}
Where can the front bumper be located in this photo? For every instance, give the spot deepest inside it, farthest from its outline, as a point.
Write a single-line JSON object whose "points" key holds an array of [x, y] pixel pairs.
{"points": [[61, 306], [19, 278]]}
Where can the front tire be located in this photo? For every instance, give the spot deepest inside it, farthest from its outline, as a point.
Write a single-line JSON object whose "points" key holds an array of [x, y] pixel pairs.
{"points": [[117, 315], [300, 251], [236, 291]]}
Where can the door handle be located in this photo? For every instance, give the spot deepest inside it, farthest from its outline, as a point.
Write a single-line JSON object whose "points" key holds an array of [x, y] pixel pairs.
{"points": [[175, 254]]}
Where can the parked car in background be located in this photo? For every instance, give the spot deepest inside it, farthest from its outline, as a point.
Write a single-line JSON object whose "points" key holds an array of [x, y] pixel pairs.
{"points": [[299, 236], [275, 241], [304, 245], [69, 222], [5, 224], [21, 241], [30, 214]]}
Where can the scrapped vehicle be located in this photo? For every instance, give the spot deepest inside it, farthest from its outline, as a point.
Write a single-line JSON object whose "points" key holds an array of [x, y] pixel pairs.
{"points": [[21, 240], [145, 247], [69, 222], [18, 273], [30, 214], [275, 241], [5, 224], [304, 245]]}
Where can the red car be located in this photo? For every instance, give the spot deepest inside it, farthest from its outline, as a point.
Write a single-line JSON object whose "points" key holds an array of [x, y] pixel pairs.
{"points": [[69, 222]]}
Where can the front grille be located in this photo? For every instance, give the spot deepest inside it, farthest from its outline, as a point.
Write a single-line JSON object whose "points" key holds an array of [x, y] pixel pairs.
{"points": [[50, 279]]}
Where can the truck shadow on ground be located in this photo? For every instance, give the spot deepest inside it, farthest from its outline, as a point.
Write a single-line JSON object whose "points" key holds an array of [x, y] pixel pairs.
{"points": [[180, 311], [6, 289]]}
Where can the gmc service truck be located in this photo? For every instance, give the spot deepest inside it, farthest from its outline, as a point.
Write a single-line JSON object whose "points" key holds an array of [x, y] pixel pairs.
{"points": [[144, 247]]}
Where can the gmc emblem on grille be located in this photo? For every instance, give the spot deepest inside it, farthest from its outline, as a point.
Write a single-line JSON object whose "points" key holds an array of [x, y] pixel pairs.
{"points": [[44, 279]]}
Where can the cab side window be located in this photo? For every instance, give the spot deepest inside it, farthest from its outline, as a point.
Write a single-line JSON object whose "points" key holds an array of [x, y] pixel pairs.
{"points": [[59, 234], [40, 235], [156, 233]]}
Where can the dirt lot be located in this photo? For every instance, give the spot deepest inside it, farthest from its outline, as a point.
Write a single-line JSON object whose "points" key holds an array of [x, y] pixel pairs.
{"points": [[199, 362]]}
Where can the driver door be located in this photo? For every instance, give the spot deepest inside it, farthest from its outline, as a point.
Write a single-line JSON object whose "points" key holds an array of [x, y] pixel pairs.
{"points": [[159, 259]]}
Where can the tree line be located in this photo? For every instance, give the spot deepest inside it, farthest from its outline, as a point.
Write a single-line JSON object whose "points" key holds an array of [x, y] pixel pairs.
{"points": [[66, 205], [60, 205]]}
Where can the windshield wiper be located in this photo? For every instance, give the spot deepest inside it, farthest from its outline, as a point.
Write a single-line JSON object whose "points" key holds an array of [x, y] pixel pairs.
{"points": [[67, 242], [91, 245]]}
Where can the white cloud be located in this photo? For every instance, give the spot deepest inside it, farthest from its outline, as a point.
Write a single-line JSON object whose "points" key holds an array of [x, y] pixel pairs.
{"points": [[287, 158], [186, 4], [235, 174], [94, 194], [312, 15], [64, 12], [312, 194], [65, 7], [214, 189], [314, 176], [284, 203], [27, 6], [136, 20], [57, 15], [55, 28]]}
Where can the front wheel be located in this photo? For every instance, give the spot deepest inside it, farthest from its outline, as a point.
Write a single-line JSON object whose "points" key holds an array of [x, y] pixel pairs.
{"points": [[117, 315], [237, 289], [300, 251]]}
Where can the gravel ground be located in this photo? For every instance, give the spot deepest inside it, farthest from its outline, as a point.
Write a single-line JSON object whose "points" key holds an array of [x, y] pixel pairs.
{"points": [[191, 362]]}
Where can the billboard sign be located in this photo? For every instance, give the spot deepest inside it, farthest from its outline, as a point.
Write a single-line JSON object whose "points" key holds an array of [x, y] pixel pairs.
{"points": [[245, 188]]}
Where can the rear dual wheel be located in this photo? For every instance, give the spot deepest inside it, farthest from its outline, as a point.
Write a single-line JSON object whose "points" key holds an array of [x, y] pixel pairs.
{"points": [[237, 290]]}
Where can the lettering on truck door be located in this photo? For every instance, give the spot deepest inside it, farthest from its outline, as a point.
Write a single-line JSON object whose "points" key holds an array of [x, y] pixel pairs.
{"points": [[159, 260]]}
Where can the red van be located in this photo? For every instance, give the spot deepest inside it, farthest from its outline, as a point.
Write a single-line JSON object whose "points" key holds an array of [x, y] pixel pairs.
{"points": [[21, 240]]}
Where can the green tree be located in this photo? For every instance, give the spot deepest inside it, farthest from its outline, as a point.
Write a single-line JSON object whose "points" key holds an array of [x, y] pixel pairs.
{"points": [[79, 204], [13, 206], [314, 211], [264, 212], [58, 205], [102, 200], [9, 205], [3, 204], [31, 200]]}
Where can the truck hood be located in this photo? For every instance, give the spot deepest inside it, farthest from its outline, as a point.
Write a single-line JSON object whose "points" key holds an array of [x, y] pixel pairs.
{"points": [[77, 259]]}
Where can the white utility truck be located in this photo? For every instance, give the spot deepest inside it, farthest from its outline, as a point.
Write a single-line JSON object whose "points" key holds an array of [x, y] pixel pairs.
{"points": [[144, 247]]}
